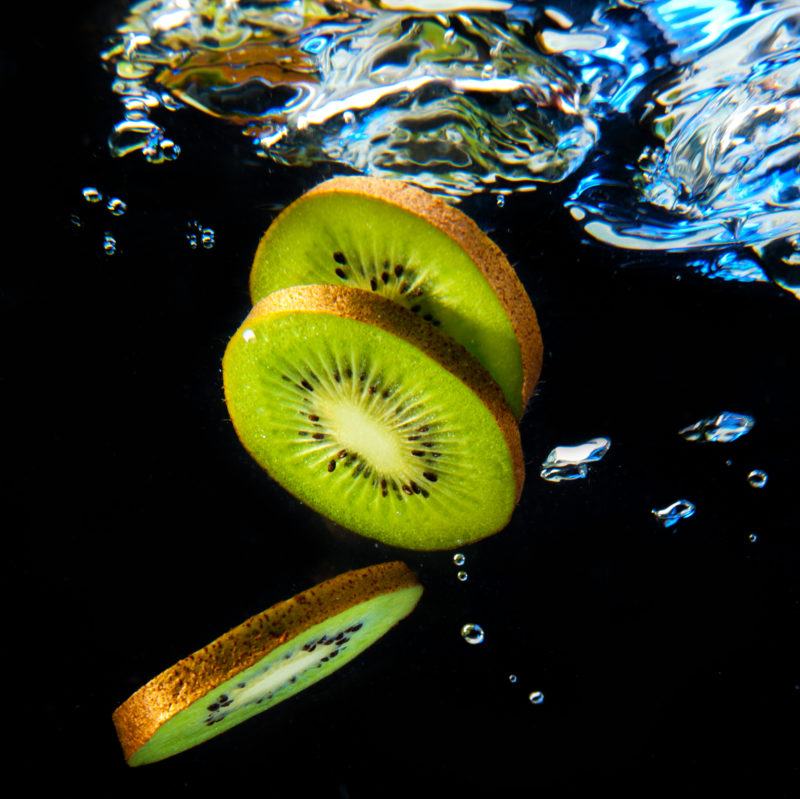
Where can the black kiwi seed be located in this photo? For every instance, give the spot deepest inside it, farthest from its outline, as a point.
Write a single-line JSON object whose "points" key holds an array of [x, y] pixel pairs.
{"points": [[318, 436], [385, 277], [373, 284], [416, 308], [407, 490], [430, 476], [414, 487], [403, 287], [337, 377], [213, 708], [339, 257], [306, 385], [398, 270], [428, 317], [342, 453], [341, 273], [312, 417], [414, 438], [331, 465], [418, 453]]}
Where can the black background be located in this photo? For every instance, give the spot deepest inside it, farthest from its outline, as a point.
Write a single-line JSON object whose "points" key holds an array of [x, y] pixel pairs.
{"points": [[139, 529]]}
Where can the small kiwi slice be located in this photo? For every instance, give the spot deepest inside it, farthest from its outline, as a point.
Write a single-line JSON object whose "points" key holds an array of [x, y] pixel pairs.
{"points": [[373, 418], [412, 247], [263, 661]]}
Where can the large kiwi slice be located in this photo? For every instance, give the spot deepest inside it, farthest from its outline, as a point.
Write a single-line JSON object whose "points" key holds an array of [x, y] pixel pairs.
{"points": [[374, 418], [263, 661], [399, 241]]}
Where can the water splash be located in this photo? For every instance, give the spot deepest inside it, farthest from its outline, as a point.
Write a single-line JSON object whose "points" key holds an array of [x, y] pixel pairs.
{"points": [[722, 429], [724, 171], [672, 514], [441, 94], [572, 463]]}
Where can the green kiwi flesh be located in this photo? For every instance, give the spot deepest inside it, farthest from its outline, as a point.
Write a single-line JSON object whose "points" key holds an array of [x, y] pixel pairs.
{"points": [[356, 238], [263, 661], [367, 428]]}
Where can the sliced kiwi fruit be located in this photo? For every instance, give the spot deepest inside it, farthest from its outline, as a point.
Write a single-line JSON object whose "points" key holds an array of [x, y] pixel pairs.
{"points": [[373, 418], [263, 661], [399, 241]]}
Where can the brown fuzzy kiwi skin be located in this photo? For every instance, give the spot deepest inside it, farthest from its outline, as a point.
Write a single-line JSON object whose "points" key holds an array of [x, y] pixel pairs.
{"points": [[488, 258], [172, 691], [373, 309]]}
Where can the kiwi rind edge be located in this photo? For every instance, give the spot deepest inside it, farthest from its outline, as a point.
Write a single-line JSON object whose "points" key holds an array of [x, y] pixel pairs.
{"points": [[488, 258], [175, 689], [373, 309]]}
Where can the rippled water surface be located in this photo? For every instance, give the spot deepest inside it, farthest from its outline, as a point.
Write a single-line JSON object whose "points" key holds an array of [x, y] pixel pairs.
{"points": [[466, 97]]}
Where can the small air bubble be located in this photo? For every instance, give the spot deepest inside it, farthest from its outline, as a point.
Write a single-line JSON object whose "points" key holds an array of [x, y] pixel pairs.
{"points": [[109, 244], [512, 678], [92, 195], [752, 538], [75, 220], [501, 201], [459, 559], [473, 634], [757, 478], [116, 207], [449, 35], [672, 514], [536, 697], [349, 117], [462, 576], [249, 335]]}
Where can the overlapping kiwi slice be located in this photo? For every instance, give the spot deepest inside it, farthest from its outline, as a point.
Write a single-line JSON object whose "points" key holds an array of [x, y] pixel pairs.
{"points": [[373, 418], [398, 241], [263, 661]]}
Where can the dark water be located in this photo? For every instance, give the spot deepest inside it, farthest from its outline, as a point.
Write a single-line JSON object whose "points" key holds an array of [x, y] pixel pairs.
{"points": [[140, 528]]}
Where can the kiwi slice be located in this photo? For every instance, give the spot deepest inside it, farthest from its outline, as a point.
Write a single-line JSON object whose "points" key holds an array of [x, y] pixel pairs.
{"points": [[263, 661], [373, 418], [405, 244]]}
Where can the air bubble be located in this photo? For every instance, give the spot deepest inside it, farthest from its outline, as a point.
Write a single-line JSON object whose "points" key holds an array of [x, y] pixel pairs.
{"points": [[757, 478], [473, 634], [109, 244], [752, 538], [536, 697], [249, 335], [572, 463], [462, 576], [75, 220], [721, 429], [349, 117], [672, 514], [512, 678], [116, 207], [459, 559], [501, 201], [92, 195]]}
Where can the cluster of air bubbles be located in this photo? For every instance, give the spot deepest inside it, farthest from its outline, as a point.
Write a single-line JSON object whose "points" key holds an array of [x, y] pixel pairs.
{"points": [[200, 236], [720, 429], [459, 559], [113, 205], [674, 513], [473, 634], [109, 244], [572, 463], [757, 478]]}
